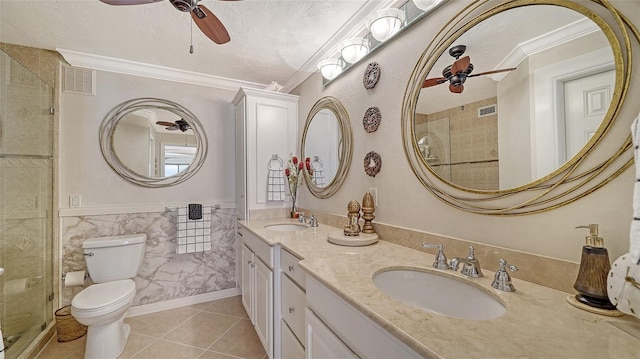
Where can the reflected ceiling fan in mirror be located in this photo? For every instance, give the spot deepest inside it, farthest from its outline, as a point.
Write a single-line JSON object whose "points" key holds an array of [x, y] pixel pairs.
{"points": [[181, 125], [457, 73], [208, 23]]}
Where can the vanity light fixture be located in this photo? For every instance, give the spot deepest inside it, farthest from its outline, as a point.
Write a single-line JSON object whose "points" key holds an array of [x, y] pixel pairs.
{"points": [[330, 68], [385, 23], [426, 4], [354, 49]]}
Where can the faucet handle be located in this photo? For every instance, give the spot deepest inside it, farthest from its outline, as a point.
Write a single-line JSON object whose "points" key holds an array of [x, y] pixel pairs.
{"points": [[313, 221], [301, 217], [440, 261], [502, 279]]}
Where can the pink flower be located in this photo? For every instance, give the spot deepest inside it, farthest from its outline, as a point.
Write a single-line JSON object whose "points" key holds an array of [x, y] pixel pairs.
{"points": [[300, 166], [294, 159], [287, 172]]}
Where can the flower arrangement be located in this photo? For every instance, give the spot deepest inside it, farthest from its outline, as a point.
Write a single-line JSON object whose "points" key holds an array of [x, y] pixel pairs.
{"points": [[293, 173]]}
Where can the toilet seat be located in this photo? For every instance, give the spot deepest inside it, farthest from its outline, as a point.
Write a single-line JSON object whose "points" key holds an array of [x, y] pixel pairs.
{"points": [[103, 298]]}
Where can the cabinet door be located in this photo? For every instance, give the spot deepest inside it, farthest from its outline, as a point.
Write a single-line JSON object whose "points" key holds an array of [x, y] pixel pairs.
{"points": [[247, 267], [264, 305], [322, 343], [291, 347]]}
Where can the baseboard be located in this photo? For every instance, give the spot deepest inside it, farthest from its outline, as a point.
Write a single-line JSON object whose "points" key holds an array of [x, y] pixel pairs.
{"points": [[181, 302]]}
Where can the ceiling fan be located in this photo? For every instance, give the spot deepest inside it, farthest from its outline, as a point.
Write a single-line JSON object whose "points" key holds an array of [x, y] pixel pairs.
{"points": [[457, 73], [208, 23], [181, 125]]}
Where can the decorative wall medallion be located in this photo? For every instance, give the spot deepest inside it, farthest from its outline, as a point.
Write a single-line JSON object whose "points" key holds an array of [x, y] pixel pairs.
{"points": [[371, 75], [371, 119], [372, 163]]}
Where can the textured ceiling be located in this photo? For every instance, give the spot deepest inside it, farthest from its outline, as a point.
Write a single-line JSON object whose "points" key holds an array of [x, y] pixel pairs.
{"points": [[270, 40]]}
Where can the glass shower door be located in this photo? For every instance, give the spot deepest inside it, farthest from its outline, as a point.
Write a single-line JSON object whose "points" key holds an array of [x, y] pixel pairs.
{"points": [[26, 203]]}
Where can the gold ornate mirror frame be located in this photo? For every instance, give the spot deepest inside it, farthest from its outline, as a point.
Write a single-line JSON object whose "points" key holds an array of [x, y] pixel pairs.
{"points": [[593, 167], [345, 146], [118, 113]]}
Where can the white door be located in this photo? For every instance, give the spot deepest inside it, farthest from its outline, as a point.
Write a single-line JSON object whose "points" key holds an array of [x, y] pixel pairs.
{"points": [[246, 265], [264, 305], [586, 101]]}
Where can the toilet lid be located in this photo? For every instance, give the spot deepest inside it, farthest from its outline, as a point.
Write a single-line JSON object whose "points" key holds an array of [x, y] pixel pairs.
{"points": [[104, 294]]}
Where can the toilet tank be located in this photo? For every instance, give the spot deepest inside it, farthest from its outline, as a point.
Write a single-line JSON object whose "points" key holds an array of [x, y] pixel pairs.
{"points": [[115, 257]]}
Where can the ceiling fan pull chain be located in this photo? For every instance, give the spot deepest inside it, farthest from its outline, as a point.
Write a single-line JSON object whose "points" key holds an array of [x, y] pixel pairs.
{"points": [[191, 46]]}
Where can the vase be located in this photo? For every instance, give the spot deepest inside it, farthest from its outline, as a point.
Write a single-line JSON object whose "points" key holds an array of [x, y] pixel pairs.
{"points": [[295, 214]]}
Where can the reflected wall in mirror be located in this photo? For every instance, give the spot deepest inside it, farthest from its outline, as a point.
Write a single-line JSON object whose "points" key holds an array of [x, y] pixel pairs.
{"points": [[153, 142], [491, 127], [537, 82], [327, 141]]}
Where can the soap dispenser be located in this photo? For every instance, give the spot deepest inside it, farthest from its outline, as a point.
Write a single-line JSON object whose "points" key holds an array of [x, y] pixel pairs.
{"points": [[591, 283]]}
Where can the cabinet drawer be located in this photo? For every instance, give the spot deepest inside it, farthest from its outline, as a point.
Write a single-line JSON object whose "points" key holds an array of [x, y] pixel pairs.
{"points": [[289, 265], [257, 246], [291, 347], [293, 301]]}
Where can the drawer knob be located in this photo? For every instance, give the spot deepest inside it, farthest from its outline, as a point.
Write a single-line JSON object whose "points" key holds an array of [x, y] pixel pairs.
{"points": [[292, 310], [291, 268]]}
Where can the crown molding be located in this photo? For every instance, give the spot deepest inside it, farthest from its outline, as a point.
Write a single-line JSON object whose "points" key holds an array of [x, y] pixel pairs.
{"points": [[121, 66], [543, 42]]}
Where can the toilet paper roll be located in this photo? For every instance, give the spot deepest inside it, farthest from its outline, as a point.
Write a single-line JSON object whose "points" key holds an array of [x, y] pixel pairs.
{"points": [[75, 278], [16, 285]]}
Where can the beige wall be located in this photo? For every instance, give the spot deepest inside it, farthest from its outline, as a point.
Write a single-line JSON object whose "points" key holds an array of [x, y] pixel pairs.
{"points": [[404, 202]]}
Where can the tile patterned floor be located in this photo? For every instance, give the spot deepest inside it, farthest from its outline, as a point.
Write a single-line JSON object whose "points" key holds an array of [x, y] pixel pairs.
{"points": [[214, 330]]}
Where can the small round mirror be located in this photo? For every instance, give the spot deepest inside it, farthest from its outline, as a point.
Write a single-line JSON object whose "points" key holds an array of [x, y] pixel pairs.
{"points": [[153, 142], [327, 141]]}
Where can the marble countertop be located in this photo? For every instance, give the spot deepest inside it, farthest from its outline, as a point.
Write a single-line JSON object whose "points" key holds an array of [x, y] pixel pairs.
{"points": [[539, 323]]}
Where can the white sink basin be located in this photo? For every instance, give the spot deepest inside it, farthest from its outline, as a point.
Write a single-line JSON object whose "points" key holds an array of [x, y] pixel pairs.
{"points": [[439, 294], [286, 227]]}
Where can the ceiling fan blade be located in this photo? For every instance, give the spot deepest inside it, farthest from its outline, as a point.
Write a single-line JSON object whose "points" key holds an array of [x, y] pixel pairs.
{"points": [[165, 123], [492, 72], [456, 88], [210, 25], [433, 81], [460, 65], [129, 2]]}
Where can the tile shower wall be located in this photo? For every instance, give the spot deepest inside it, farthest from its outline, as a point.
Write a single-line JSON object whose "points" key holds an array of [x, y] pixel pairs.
{"points": [[474, 145], [164, 275]]}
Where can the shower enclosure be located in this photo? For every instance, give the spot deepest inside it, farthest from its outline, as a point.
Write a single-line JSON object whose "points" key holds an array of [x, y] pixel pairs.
{"points": [[26, 204]]}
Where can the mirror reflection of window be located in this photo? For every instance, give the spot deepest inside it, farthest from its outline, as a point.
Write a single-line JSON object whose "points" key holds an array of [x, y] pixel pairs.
{"points": [[322, 143], [176, 159]]}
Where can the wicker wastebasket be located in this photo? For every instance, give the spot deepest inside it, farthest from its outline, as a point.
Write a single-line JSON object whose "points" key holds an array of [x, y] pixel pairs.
{"points": [[67, 327]]}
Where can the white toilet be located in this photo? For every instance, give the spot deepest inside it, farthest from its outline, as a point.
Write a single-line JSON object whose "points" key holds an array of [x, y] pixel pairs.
{"points": [[111, 262]]}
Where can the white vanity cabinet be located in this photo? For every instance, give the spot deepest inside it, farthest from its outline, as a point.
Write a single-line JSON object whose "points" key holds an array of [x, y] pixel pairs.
{"points": [[292, 304], [266, 125], [256, 267], [335, 329]]}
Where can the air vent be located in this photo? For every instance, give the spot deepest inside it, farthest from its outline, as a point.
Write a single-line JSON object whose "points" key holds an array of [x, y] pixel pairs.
{"points": [[487, 111], [79, 80]]}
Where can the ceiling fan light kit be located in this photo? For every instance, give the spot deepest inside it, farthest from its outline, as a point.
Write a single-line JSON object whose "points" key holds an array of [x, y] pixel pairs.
{"points": [[206, 21]]}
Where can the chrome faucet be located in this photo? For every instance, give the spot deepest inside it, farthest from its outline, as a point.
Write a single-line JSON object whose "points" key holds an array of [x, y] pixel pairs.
{"points": [[502, 280], [441, 260], [471, 266], [313, 221]]}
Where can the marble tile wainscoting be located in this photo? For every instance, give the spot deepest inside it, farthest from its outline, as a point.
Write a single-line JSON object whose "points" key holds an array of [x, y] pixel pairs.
{"points": [[164, 275]]}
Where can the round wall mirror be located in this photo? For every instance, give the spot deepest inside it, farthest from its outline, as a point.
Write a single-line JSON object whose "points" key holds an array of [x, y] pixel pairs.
{"points": [[327, 141], [153, 142], [510, 100]]}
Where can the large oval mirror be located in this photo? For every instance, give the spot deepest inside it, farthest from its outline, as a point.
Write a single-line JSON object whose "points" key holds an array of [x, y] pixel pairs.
{"points": [[327, 141], [510, 99], [153, 142]]}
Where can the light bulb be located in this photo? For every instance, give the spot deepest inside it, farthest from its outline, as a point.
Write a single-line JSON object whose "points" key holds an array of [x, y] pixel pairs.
{"points": [[330, 68], [425, 4], [354, 49], [385, 23]]}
